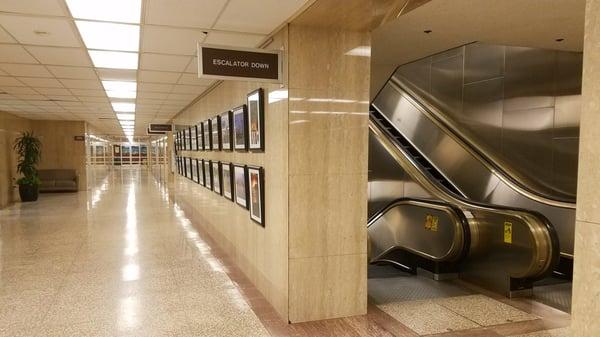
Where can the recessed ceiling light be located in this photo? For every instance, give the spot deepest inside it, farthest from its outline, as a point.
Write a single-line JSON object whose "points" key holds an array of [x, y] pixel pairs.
{"points": [[119, 85], [109, 36], [107, 10], [127, 123], [120, 94], [123, 107], [125, 117], [114, 59]]}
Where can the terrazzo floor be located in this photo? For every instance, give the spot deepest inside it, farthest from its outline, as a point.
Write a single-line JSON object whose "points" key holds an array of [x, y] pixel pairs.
{"points": [[124, 259]]}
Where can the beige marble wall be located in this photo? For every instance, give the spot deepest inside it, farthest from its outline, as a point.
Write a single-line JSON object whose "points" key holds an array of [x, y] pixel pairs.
{"points": [[59, 149], [328, 148], [10, 127], [261, 253], [586, 276]]}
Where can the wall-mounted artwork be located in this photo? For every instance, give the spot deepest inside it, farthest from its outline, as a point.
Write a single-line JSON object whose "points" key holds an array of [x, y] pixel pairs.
{"points": [[184, 140], [197, 171], [240, 191], [189, 165], [256, 122], [256, 194], [216, 173], [216, 132], [206, 134], [194, 170], [227, 178], [226, 131], [207, 175], [184, 161], [194, 138], [201, 175], [240, 119], [200, 136], [178, 165]]}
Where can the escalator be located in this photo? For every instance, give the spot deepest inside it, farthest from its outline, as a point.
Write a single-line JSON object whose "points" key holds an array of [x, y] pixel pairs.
{"points": [[448, 208]]}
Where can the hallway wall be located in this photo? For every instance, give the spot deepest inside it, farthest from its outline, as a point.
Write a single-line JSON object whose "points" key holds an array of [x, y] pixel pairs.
{"points": [[10, 127]]}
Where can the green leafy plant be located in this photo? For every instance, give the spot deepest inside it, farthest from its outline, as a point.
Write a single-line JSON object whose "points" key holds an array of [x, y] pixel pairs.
{"points": [[28, 148]]}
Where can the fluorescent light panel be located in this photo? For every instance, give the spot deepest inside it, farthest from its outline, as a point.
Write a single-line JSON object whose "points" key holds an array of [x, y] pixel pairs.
{"points": [[126, 117], [119, 85], [120, 94], [123, 107], [109, 36], [114, 59], [106, 10], [127, 123]]}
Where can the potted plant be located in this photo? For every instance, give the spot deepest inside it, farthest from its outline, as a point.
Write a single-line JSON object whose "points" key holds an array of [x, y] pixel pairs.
{"points": [[28, 148]]}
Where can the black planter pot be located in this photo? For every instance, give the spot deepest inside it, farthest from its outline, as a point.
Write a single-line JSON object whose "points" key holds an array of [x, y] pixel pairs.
{"points": [[28, 192]]}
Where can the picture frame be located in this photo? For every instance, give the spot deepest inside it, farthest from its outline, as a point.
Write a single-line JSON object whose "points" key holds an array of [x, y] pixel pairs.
{"points": [[226, 131], [201, 175], [194, 137], [215, 131], [190, 169], [256, 194], [178, 164], [207, 175], [240, 190], [256, 120], [200, 130], [184, 166], [227, 179], [206, 134], [194, 169], [216, 177], [240, 125]]}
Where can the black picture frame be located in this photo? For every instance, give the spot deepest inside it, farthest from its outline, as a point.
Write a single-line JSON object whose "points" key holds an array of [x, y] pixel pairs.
{"points": [[207, 174], [178, 165], [240, 126], [201, 179], [256, 120], [256, 194], [225, 124], [198, 177], [183, 140], [227, 180], [240, 182], [191, 137], [190, 168], [216, 177], [184, 166], [206, 135], [215, 131], [194, 170], [194, 138], [200, 128]]}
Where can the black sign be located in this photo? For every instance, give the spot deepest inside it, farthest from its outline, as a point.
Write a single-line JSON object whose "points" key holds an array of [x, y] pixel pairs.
{"points": [[79, 138], [160, 127], [150, 132], [225, 63]]}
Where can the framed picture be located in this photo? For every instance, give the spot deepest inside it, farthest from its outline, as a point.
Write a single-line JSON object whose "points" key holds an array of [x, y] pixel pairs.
{"points": [[185, 138], [226, 176], [185, 169], [206, 134], [207, 175], [216, 175], [226, 134], [240, 191], [194, 170], [178, 164], [256, 194], [189, 165], [201, 176], [256, 120], [194, 137], [240, 122], [216, 133], [200, 136]]}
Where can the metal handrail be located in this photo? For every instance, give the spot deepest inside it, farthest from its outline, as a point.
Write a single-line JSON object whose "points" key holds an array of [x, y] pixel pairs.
{"points": [[544, 256], [487, 159]]}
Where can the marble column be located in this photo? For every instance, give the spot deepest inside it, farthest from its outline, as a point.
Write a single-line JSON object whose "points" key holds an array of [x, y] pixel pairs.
{"points": [[586, 277]]}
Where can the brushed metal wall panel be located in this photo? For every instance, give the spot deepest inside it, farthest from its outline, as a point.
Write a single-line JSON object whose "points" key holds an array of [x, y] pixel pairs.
{"points": [[417, 75], [447, 83], [529, 78], [565, 168], [483, 62], [482, 111]]}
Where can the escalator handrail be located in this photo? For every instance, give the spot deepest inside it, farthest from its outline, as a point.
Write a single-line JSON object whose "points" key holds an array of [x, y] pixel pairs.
{"points": [[541, 228], [490, 161]]}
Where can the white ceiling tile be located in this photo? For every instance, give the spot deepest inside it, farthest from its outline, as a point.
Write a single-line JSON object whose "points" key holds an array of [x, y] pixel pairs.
{"points": [[41, 31], [41, 82], [154, 87], [156, 95], [81, 84], [12, 53], [233, 39], [184, 13], [117, 74], [18, 90], [192, 66], [167, 40], [31, 97], [53, 91], [73, 72], [193, 79], [188, 89], [88, 92], [61, 97], [158, 76], [164, 62], [181, 97], [43, 7], [149, 101], [255, 17], [45, 104], [10, 81], [60, 56], [5, 37], [93, 99], [27, 70]]}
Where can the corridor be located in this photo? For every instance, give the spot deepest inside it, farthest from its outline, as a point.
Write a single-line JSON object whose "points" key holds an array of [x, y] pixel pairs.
{"points": [[119, 260]]}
